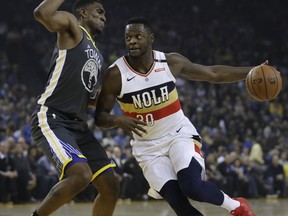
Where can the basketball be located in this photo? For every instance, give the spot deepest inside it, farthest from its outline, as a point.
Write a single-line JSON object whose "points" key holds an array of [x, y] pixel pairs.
{"points": [[263, 83]]}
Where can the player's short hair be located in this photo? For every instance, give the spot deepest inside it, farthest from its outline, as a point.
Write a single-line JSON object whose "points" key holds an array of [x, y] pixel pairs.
{"points": [[81, 3], [141, 20]]}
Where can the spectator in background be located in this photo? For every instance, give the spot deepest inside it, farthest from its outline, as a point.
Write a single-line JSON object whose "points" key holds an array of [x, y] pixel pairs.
{"points": [[2, 130], [123, 178], [21, 140], [108, 139], [257, 168], [219, 139], [276, 110], [256, 155], [8, 175], [26, 180], [121, 138], [284, 162], [276, 176], [228, 174], [212, 172], [136, 178], [26, 130], [245, 182], [33, 155], [48, 174]]}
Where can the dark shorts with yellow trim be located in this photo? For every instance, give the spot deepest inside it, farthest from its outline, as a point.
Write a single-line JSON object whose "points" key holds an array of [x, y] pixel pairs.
{"points": [[66, 141]]}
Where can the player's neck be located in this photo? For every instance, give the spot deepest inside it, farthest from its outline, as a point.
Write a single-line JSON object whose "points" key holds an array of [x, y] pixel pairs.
{"points": [[141, 63], [88, 30]]}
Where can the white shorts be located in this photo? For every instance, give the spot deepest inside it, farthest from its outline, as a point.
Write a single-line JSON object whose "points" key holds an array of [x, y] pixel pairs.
{"points": [[161, 159]]}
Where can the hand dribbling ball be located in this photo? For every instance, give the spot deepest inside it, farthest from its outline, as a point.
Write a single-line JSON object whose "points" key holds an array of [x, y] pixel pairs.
{"points": [[263, 83]]}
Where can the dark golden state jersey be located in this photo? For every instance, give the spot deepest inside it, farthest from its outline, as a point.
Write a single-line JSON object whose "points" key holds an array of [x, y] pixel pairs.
{"points": [[73, 78]]}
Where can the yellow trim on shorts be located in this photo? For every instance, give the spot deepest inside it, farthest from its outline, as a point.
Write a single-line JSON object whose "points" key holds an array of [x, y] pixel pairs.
{"points": [[102, 170], [196, 142], [63, 168], [49, 134], [65, 164]]}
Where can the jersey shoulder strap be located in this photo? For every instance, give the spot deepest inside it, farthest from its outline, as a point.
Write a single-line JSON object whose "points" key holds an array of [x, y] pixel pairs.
{"points": [[159, 56]]}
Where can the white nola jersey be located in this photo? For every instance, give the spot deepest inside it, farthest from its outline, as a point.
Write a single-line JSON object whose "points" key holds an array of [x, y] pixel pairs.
{"points": [[150, 97]]}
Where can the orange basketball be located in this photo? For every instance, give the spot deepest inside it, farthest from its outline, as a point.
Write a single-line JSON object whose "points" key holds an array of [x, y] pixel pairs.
{"points": [[263, 83]]}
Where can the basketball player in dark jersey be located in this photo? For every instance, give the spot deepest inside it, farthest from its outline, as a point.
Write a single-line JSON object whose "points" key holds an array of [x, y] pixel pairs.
{"points": [[165, 143], [59, 122]]}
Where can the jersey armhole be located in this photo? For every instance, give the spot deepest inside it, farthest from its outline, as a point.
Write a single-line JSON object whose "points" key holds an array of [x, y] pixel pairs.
{"points": [[163, 60], [120, 95]]}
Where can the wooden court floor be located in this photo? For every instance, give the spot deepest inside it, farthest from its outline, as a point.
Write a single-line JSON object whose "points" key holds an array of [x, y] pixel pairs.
{"points": [[262, 207]]}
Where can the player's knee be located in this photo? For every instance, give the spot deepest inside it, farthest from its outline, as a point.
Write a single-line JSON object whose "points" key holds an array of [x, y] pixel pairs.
{"points": [[82, 180], [112, 189], [170, 193], [192, 189], [86, 178], [108, 186], [79, 176]]}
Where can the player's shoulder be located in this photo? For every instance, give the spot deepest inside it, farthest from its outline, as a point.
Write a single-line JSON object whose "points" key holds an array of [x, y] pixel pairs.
{"points": [[119, 64], [113, 67], [113, 70], [112, 78], [174, 57], [115, 64]]}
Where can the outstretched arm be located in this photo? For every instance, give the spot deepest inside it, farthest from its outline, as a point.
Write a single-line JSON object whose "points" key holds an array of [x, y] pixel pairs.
{"points": [[62, 22], [183, 67], [111, 87]]}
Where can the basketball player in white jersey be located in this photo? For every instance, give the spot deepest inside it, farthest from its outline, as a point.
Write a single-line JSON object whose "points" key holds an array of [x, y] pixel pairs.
{"points": [[164, 142]]}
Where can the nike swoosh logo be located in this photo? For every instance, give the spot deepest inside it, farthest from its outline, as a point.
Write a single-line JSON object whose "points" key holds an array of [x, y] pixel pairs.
{"points": [[177, 131], [129, 79]]}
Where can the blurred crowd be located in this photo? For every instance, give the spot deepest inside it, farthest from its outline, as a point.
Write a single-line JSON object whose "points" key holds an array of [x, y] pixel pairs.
{"points": [[245, 143]]}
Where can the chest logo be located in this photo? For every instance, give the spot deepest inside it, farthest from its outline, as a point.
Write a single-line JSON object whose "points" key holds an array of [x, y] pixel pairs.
{"points": [[89, 74], [160, 69], [130, 78]]}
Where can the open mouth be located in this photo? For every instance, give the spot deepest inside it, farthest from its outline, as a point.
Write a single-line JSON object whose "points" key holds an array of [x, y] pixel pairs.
{"points": [[133, 49], [101, 26]]}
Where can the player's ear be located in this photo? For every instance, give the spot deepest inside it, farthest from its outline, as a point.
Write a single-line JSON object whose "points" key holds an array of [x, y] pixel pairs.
{"points": [[83, 13], [152, 37]]}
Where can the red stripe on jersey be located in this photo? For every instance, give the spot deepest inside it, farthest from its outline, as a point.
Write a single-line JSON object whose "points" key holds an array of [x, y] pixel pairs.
{"points": [[158, 114]]}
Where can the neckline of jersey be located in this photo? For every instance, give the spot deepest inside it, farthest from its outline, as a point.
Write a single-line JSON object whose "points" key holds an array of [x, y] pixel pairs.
{"points": [[89, 36], [139, 73]]}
